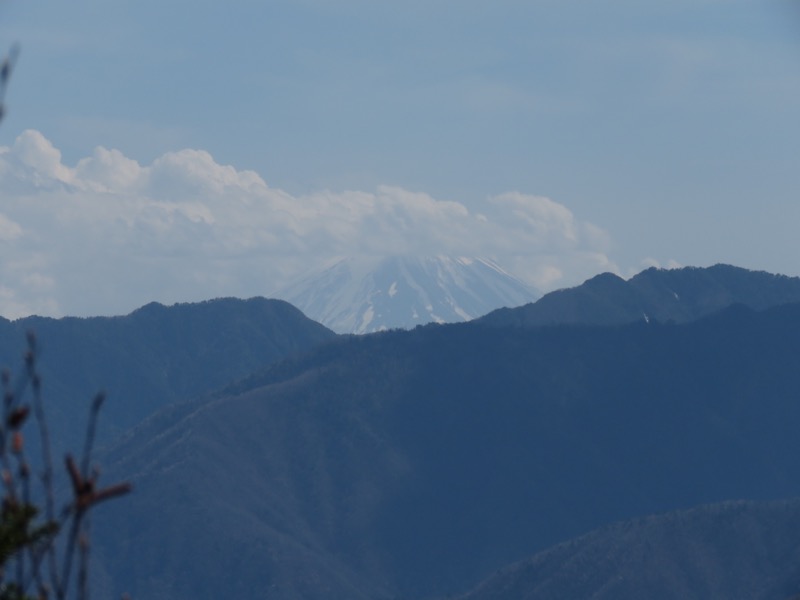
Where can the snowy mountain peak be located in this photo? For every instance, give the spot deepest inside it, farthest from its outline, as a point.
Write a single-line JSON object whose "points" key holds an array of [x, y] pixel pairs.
{"points": [[367, 294]]}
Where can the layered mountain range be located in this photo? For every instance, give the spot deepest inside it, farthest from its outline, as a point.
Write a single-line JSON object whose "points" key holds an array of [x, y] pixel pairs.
{"points": [[635, 441], [414, 464]]}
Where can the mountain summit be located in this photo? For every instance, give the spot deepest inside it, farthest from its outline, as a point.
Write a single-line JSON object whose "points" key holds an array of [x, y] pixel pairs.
{"points": [[363, 295], [679, 295]]}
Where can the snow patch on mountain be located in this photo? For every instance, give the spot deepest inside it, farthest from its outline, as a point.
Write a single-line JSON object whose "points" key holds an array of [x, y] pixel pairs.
{"points": [[367, 294]]}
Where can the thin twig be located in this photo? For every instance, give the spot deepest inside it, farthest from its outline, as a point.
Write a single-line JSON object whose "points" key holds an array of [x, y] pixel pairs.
{"points": [[24, 477], [83, 566], [47, 459], [72, 541], [90, 431], [5, 74]]}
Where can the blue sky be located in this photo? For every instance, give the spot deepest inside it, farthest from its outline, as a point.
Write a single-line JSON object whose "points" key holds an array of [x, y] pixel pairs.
{"points": [[577, 136]]}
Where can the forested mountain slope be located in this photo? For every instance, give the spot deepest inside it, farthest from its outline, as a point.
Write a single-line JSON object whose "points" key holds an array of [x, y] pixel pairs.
{"points": [[153, 356], [415, 464], [679, 295], [728, 551]]}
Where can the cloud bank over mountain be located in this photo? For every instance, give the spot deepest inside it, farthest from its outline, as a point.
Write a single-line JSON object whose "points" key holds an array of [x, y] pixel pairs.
{"points": [[109, 234]]}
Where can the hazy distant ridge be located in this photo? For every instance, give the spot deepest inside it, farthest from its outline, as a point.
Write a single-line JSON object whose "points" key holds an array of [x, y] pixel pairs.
{"points": [[679, 295]]}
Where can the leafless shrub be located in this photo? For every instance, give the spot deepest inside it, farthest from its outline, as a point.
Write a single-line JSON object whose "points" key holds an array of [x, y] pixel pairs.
{"points": [[38, 545]]}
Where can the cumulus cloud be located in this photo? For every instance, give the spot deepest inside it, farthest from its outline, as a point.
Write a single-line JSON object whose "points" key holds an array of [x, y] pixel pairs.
{"points": [[109, 234]]}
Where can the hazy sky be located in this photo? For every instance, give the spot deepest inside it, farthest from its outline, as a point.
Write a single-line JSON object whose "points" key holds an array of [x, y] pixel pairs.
{"points": [[178, 150]]}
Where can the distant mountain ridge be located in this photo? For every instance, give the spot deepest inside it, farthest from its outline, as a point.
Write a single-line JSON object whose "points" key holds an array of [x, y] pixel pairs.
{"points": [[153, 356], [368, 294], [678, 295]]}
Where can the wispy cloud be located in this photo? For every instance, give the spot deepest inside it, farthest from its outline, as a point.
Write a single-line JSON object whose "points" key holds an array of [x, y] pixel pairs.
{"points": [[109, 234]]}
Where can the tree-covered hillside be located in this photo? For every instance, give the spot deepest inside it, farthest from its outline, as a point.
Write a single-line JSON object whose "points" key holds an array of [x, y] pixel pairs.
{"points": [[727, 551], [417, 463], [679, 295], [154, 356]]}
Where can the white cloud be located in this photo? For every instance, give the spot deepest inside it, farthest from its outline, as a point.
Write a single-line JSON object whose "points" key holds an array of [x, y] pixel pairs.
{"points": [[37, 153], [109, 234], [110, 170], [649, 262]]}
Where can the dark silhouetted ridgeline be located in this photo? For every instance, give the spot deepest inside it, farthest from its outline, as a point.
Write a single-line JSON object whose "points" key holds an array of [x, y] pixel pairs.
{"points": [[679, 295], [154, 356]]}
